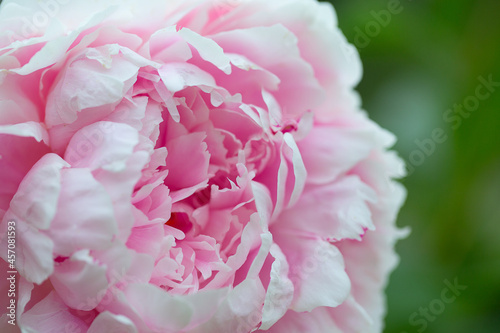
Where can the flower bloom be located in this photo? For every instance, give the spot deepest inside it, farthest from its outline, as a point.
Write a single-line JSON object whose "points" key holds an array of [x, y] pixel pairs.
{"points": [[190, 166]]}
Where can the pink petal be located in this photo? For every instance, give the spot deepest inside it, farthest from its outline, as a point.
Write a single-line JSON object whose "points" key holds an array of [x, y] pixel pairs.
{"points": [[29, 129], [19, 154], [208, 49], [317, 321], [75, 226], [336, 211], [317, 271], [35, 201], [279, 294], [328, 152], [103, 144], [295, 74], [80, 281], [108, 322], [51, 315], [188, 147]]}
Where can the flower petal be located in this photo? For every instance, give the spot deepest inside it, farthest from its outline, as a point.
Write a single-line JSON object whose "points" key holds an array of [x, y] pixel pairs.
{"points": [[80, 281], [75, 226], [108, 322], [317, 271], [51, 315], [335, 211], [279, 293]]}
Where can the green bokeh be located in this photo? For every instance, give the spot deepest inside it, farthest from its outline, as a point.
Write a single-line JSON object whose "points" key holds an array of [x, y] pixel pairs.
{"points": [[420, 64]]}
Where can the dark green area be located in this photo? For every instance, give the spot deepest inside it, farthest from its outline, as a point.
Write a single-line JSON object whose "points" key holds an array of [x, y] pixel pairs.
{"points": [[420, 64]]}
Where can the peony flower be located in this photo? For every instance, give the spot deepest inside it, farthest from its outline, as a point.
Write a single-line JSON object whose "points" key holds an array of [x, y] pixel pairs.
{"points": [[190, 166]]}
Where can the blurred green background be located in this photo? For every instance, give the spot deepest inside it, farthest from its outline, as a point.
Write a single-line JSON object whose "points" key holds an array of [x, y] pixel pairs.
{"points": [[417, 66]]}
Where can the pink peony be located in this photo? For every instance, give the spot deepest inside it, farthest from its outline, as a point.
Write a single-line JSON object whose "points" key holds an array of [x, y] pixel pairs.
{"points": [[190, 166]]}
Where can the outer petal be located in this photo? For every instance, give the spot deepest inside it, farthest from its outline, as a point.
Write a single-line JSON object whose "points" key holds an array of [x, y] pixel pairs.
{"points": [[108, 322], [18, 155], [317, 271], [317, 321], [28, 129], [241, 311], [334, 211], [18, 103], [108, 149], [104, 144], [34, 260], [335, 62], [33, 208], [55, 48], [23, 295], [295, 74], [152, 309], [279, 293], [51, 315], [35, 201], [85, 217], [208, 49], [368, 264], [79, 279], [120, 186], [330, 151]]}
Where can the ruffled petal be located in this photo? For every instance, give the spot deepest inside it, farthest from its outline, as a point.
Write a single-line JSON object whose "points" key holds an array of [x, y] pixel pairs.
{"points": [[77, 227], [317, 271], [79, 279], [108, 322]]}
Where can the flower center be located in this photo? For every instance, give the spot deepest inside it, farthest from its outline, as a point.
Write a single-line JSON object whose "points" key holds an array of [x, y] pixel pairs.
{"points": [[180, 221]]}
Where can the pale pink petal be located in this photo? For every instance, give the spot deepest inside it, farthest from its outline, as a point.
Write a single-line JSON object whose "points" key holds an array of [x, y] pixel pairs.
{"points": [[285, 63], [147, 239], [108, 322], [316, 270], [18, 104], [50, 315], [369, 262], [208, 49], [35, 201], [99, 78], [20, 294], [78, 279], [75, 226], [120, 186], [350, 316], [118, 261], [168, 46], [28, 129], [19, 154], [55, 50], [335, 211], [241, 311], [152, 309], [317, 321], [178, 76], [250, 242], [34, 259], [104, 144], [299, 170], [279, 294], [330, 151], [263, 202]]}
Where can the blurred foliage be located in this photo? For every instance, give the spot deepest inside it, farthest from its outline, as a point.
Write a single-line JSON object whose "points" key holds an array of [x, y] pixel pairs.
{"points": [[420, 64]]}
